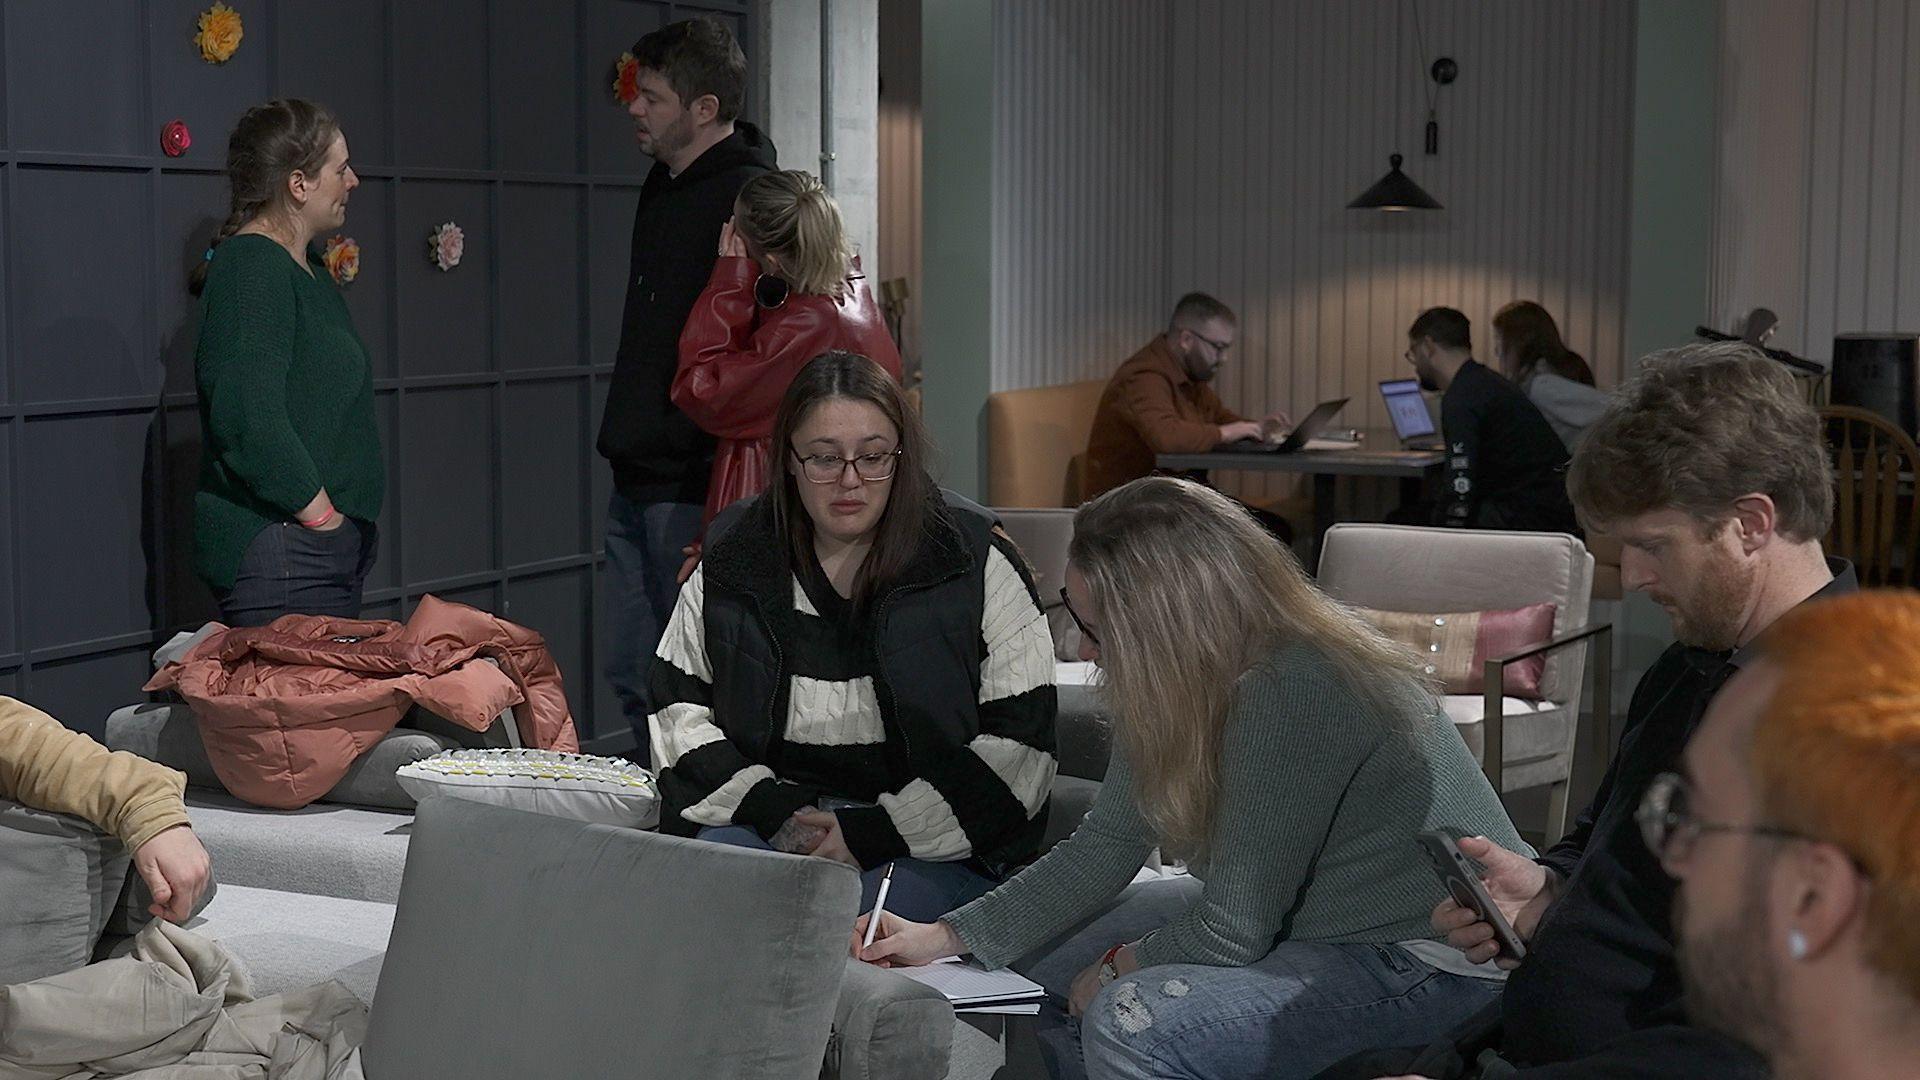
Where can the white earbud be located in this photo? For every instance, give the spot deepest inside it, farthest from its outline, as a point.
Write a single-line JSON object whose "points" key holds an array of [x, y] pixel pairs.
{"points": [[1796, 945]]}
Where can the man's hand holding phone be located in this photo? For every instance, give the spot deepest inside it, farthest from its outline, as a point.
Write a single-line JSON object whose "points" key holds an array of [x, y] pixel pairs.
{"points": [[1520, 888]]}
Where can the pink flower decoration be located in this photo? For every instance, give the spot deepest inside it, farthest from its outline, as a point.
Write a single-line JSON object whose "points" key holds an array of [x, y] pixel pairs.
{"points": [[342, 257], [445, 245], [175, 138]]}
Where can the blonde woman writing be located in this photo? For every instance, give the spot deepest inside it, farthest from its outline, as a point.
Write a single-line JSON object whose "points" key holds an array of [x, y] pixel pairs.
{"points": [[1290, 754]]}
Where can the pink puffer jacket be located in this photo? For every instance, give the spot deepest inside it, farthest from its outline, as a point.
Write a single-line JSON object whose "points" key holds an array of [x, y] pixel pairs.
{"points": [[285, 709]]}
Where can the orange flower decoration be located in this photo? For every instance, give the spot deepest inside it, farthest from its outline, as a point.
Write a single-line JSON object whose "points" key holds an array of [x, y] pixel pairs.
{"points": [[220, 33], [342, 257], [626, 78]]}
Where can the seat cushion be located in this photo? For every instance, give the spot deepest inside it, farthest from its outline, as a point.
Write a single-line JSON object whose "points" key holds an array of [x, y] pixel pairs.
{"points": [[346, 851], [287, 940], [1533, 732]]}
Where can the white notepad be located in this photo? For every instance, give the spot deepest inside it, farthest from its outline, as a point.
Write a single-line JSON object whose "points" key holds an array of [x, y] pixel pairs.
{"points": [[968, 985]]}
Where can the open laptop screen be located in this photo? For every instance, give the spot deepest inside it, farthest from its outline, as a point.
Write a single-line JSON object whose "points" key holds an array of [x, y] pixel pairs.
{"points": [[1407, 409]]}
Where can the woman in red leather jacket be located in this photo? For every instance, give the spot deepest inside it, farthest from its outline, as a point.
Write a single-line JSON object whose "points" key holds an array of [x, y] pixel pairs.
{"points": [[785, 289]]}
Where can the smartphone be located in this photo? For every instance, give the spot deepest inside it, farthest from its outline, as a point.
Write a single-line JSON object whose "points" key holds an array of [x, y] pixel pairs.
{"points": [[1460, 877]]}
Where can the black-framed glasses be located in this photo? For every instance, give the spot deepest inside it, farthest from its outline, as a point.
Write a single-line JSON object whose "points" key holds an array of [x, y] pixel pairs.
{"points": [[1085, 630], [1670, 829], [1218, 348], [829, 468]]}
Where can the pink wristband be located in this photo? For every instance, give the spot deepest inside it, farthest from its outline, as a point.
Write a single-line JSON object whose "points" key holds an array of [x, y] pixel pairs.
{"points": [[319, 521]]}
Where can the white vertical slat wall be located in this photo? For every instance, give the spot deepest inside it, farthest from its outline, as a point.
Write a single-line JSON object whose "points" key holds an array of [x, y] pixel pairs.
{"points": [[1081, 100], [1817, 200], [1150, 148]]}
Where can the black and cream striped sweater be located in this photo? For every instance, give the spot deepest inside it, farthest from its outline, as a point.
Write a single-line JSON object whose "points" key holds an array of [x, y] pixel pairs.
{"points": [[937, 707]]}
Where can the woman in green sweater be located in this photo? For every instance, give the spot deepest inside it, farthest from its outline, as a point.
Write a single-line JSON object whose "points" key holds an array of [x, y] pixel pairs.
{"points": [[1290, 754], [291, 478]]}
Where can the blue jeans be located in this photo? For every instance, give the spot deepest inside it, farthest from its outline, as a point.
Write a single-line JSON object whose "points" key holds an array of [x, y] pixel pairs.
{"points": [[1302, 1007], [921, 891], [290, 569], [644, 541]]}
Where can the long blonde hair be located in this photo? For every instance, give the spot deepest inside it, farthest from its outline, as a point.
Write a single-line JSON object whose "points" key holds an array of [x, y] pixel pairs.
{"points": [[789, 215], [1189, 593]]}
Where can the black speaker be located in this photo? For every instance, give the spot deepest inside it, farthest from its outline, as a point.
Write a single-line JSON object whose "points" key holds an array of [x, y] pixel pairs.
{"points": [[1877, 372]]}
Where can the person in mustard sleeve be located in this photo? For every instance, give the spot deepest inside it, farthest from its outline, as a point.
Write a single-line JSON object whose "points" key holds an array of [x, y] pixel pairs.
{"points": [[48, 767]]}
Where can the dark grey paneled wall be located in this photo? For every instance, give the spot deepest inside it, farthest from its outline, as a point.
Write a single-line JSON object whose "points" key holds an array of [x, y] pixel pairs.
{"points": [[495, 114]]}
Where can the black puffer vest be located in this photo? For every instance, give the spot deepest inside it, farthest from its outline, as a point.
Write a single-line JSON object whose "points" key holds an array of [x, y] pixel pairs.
{"points": [[925, 631]]}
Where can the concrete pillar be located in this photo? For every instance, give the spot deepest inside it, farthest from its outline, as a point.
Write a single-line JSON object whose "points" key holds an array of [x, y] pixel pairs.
{"points": [[792, 68], [956, 302]]}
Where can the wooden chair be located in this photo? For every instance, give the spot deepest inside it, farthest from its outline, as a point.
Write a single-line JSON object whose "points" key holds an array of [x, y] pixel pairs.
{"points": [[1875, 465]]}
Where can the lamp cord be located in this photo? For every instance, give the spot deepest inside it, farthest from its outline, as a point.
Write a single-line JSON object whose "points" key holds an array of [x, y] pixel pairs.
{"points": [[1420, 43]]}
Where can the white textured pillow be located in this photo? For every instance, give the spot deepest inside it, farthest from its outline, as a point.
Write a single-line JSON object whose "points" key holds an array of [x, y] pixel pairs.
{"points": [[578, 786]]}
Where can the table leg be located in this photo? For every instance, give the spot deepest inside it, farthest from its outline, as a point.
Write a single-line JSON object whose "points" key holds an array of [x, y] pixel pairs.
{"points": [[1323, 490]]}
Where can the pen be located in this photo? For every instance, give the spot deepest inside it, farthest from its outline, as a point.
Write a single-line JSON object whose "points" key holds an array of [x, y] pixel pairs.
{"points": [[879, 908]]}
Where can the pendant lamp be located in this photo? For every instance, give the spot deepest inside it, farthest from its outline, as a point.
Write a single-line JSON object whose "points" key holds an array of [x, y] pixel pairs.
{"points": [[1394, 191]]}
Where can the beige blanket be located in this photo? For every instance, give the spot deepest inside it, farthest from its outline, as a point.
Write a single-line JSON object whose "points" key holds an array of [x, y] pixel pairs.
{"points": [[179, 1007]]}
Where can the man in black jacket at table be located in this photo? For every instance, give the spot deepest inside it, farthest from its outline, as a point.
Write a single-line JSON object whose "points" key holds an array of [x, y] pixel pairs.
{"points": [[1711, 470], [687, 94], [1504, 462]]}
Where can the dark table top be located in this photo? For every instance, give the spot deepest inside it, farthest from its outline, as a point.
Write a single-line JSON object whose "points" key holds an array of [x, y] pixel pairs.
{"points": [[1378, 455]]}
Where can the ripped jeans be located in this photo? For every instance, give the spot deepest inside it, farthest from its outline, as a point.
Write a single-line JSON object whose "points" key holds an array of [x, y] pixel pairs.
{"points": [[1301, 1008]]}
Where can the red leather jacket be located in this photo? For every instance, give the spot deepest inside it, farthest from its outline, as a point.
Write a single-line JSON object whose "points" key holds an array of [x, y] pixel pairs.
{"points": [[737, 359]]}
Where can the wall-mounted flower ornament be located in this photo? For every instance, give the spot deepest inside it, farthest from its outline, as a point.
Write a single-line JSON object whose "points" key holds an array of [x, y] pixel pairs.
{"points": [[220, 33], [175, 138], [626, 79], [445, 244], [342, 256]]}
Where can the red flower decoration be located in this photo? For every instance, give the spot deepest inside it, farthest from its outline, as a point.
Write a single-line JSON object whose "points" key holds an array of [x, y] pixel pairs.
{"points": [[626, 79], [175, 138]]}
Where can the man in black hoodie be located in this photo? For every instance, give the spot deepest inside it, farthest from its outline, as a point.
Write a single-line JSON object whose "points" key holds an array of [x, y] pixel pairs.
{"points": [[687, 97]]}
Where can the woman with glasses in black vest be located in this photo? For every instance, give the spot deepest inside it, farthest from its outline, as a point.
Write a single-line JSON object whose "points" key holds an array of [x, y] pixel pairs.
{"points": [[859, 668]]}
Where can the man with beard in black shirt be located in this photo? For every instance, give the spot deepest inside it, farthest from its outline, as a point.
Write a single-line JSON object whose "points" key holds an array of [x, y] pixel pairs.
{"points": [[1711, 471], [1504, 462]]}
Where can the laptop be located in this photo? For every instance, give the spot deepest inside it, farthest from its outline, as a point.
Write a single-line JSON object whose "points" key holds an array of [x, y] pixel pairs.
{"points": [[1303, 432], [1407, 408]]}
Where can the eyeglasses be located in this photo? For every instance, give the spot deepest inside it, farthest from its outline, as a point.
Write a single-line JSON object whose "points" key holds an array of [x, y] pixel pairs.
{"points": [[829, 468], [1669, 828], [1085, 630], [1218, 348]]}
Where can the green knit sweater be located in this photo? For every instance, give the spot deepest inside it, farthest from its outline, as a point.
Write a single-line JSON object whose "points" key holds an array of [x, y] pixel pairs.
{"points": [[1321, 798], [286, 402]]}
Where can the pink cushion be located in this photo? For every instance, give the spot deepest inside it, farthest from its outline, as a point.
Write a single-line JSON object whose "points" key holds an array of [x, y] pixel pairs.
{"points": [[1457, 644]]}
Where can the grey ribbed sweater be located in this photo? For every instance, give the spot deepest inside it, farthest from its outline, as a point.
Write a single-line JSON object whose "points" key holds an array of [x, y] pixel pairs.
{"points": [[1321, 797]]}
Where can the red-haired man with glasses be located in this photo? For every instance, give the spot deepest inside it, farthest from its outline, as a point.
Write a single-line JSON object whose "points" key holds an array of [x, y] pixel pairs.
{"points": [[1793, 827]]}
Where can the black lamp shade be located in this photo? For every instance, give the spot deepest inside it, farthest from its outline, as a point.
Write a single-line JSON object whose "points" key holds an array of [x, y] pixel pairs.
{"points": [[1395, 191]]}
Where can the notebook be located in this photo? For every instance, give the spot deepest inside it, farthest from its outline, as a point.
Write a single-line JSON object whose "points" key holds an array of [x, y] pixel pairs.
{"points": [[972, 988]]}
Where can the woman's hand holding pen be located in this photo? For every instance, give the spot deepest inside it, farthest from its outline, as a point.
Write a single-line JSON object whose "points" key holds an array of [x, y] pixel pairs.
{"points": [[900, 943]]}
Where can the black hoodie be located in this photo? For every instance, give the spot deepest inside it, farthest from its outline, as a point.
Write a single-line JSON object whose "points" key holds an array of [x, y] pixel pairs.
{"points": [[656, 451]]}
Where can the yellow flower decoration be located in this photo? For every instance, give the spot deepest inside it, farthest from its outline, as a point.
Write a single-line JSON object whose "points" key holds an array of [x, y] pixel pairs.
{"points": [[220, 33], [342, 256]]}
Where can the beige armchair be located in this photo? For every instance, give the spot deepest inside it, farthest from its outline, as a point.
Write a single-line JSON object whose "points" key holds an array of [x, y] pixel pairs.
{"points": [[1521, 744], [1036, 442]]}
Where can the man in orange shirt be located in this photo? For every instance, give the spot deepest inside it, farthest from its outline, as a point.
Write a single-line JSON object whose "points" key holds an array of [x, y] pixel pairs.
{"points": [[1161, 402]]}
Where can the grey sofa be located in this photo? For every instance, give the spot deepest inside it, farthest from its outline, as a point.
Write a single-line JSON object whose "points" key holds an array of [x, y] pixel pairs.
{"points": [[310, 894]]}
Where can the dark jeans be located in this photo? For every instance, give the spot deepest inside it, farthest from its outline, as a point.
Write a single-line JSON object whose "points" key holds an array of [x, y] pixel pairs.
{"points": [[291, 570], [644, 540], [921, 891]]}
